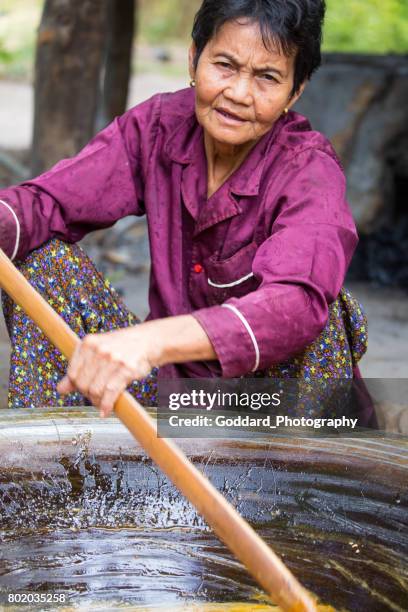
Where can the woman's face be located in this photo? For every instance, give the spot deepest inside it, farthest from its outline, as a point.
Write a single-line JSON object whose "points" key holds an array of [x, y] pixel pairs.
{"points": [[242, 88]]}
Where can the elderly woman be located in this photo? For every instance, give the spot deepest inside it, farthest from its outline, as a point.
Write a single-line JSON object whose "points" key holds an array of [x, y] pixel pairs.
{"points": [[250, 233]]}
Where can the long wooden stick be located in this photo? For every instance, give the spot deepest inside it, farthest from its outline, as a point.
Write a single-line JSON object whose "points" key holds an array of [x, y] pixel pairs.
{"points": [[267, 569]]}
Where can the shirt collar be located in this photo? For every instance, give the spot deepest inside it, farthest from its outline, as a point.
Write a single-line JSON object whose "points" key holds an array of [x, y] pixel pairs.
{"points": [[182, 142]]}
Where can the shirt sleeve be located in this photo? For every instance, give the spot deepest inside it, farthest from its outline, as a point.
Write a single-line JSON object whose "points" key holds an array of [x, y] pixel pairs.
{"points": [[101, 184], [301, 269]]}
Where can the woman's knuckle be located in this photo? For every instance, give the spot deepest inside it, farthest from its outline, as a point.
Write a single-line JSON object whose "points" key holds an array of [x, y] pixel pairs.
{"points": [[111, 387], [72, 373], [143, 368], [94, 391], [118, 359], [89, 341]]}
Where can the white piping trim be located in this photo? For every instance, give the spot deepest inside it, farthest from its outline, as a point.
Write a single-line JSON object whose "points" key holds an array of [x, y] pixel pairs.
{"points": [[249, 330], [17, 228], [237, 282]]}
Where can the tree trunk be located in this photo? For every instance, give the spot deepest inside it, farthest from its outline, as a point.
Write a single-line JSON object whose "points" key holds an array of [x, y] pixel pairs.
{"points": [[118, 60], [70, 54]]}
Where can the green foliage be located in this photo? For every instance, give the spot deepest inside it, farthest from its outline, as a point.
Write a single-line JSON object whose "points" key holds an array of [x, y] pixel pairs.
{"points": [[367, 26], [360, 26], [166, 20], [18, 22], [5, 56]]}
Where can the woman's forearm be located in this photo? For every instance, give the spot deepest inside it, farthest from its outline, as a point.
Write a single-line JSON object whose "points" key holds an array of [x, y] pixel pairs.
{"points": [[178, 339]]}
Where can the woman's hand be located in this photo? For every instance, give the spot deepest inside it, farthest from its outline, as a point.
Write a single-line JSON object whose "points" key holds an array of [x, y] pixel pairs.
{"points": [[103, 365]]}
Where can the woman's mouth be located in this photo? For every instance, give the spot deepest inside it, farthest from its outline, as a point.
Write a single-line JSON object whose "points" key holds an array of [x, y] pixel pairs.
{"points": [[229, 117]]}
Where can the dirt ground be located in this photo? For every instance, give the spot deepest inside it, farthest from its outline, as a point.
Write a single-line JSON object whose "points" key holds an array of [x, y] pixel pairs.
{"points": [[387, 309]]}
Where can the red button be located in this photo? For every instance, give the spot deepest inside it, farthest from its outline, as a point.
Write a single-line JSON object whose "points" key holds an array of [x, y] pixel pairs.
{"points": [[198, 268]]}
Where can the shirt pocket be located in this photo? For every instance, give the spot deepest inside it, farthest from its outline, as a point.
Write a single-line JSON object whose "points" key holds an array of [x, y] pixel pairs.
{"points": [[232, 277]]}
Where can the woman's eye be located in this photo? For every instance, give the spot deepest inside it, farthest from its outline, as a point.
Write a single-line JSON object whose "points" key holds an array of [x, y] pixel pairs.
{"points": [[224, 64], [269, 77]]}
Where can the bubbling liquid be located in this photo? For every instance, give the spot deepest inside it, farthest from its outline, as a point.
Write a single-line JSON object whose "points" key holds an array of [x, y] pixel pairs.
{"points": [[110, 531]]}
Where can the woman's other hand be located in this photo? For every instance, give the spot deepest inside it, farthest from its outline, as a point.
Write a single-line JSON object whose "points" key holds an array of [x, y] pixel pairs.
{"points": [[103, 365]]}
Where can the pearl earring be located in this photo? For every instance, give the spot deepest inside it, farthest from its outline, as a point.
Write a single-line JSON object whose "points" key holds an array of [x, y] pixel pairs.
{"points": [[192, 83]]}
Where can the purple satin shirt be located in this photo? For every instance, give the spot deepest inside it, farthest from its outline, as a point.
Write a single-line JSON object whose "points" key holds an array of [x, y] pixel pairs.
{"points": [[257, 263]]}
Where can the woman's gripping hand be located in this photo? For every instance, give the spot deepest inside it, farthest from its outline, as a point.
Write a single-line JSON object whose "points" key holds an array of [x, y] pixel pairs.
{"points": [[103, 365]]}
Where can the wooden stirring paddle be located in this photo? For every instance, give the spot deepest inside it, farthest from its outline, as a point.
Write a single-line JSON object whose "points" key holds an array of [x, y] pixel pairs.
{"points": [[267, 569]]}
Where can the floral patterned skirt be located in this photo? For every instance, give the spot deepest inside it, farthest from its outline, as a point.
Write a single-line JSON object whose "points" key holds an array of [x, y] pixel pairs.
{"points": [[71, 284]]}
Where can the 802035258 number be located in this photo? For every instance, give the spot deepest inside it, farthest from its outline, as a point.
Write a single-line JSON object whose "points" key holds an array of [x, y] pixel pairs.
{"points": [[28, 598]]}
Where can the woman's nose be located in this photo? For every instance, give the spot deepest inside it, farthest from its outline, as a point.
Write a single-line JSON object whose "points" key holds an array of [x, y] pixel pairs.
{"points": [[239, 90]]}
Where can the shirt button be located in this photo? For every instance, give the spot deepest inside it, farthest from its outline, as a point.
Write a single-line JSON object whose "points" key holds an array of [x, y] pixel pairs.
{"points": [[198, 268]]}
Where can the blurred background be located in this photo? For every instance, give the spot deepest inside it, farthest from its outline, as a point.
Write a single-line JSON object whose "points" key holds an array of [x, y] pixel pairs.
{"points": [[67, 67]]}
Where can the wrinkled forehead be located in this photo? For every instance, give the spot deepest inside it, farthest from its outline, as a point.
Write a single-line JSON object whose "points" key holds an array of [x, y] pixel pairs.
{"points": [[245, 40]]}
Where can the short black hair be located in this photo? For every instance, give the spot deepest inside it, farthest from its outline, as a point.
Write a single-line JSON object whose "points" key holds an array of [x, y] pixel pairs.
{"points": [[295, 26]]}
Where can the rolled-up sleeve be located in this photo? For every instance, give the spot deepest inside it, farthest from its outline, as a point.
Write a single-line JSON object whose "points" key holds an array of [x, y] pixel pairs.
{"points": [[301, 268], [101, 184]]}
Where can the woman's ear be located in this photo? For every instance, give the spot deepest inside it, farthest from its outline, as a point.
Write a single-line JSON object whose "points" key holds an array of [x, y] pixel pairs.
{"points": [[191, 55], [297, 95]]}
